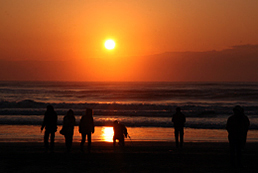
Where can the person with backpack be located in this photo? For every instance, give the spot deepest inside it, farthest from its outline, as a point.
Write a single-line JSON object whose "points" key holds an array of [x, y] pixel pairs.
{"points": [[68, 127]]}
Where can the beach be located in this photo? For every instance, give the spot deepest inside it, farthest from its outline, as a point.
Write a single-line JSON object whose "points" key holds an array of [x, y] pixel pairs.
{"points": [[147, 71], [145, 109], [135, 157]]}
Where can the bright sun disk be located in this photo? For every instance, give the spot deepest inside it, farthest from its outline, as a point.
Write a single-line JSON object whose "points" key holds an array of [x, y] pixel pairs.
{"points": [[110, 44], [107, 134]]}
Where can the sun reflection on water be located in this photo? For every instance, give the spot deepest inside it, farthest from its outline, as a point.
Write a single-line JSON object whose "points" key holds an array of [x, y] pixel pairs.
{"points": [[107, 134]]}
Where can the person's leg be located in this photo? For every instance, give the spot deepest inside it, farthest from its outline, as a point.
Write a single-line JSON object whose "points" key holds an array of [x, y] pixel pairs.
{"points": [[181, 137], [114, 141], [46, 136], [122, 141], [232, 152], [176, 137], [89, 141], [239, 146], [68, 142], [52, 142], [71, 141], [82, 141]]}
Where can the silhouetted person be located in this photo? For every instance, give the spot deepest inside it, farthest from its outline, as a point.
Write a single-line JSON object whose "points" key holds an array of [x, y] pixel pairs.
{"points": [[179, 122], [68, 127], [50, 124], [86, 127], [120, 132], [237, 127]]}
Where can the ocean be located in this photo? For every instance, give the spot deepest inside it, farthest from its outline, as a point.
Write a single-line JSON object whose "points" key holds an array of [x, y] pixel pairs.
{"points": [[139, 105]]}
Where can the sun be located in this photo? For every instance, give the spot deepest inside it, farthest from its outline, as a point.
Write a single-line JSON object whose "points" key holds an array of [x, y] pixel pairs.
{"points": [[107, 134], [110, 44]]}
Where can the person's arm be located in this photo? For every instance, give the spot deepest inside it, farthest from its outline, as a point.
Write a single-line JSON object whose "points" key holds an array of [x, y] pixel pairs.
{"points": [[228, 126], [74, 121], [247, 123], [93, 126], [125, 132], [80, 124], [44, 123], [56, 120]]}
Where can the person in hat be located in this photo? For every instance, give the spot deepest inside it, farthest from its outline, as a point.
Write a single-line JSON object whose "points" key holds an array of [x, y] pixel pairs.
{"points": [[237, 127]]}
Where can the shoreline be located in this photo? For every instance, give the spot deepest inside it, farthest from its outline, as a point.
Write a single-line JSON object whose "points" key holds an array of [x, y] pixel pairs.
{"points": [[135, 157], [24, 133]]}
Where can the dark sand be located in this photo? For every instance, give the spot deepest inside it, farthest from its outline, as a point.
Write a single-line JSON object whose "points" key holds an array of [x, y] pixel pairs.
{"points": [[135, 157]]}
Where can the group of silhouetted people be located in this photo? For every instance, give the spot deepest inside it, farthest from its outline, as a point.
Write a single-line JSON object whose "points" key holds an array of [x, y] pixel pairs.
{"points": [[86, 128], [237, 127]]}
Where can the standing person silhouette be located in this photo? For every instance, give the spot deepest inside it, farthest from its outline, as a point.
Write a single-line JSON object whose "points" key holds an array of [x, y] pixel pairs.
{"points": [[179, 122], [237, 127], [68, 127], [86, 127], [50, 125], [120, 132]]}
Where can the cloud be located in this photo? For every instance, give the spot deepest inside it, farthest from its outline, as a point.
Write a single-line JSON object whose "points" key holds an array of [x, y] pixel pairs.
{"points": [[238, 63], [39, 70]]}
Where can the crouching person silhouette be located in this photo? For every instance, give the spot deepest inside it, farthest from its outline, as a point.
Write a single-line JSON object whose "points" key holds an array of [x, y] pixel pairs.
{"points": [[86, 127], [120, 132]]}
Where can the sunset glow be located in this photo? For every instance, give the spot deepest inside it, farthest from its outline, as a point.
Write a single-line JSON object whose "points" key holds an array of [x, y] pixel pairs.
{"points": [[107, 134], [129, 40], [128, 85]]}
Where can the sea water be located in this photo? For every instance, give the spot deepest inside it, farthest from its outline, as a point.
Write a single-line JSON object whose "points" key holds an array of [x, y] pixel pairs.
{"points": [[144, 107]]}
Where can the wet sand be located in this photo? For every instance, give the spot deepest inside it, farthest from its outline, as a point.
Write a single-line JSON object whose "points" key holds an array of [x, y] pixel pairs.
{"points": [[135, 157]]}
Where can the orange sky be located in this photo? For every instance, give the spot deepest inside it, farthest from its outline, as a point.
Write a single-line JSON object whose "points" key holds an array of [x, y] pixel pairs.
{"points": [[70, 35]]}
